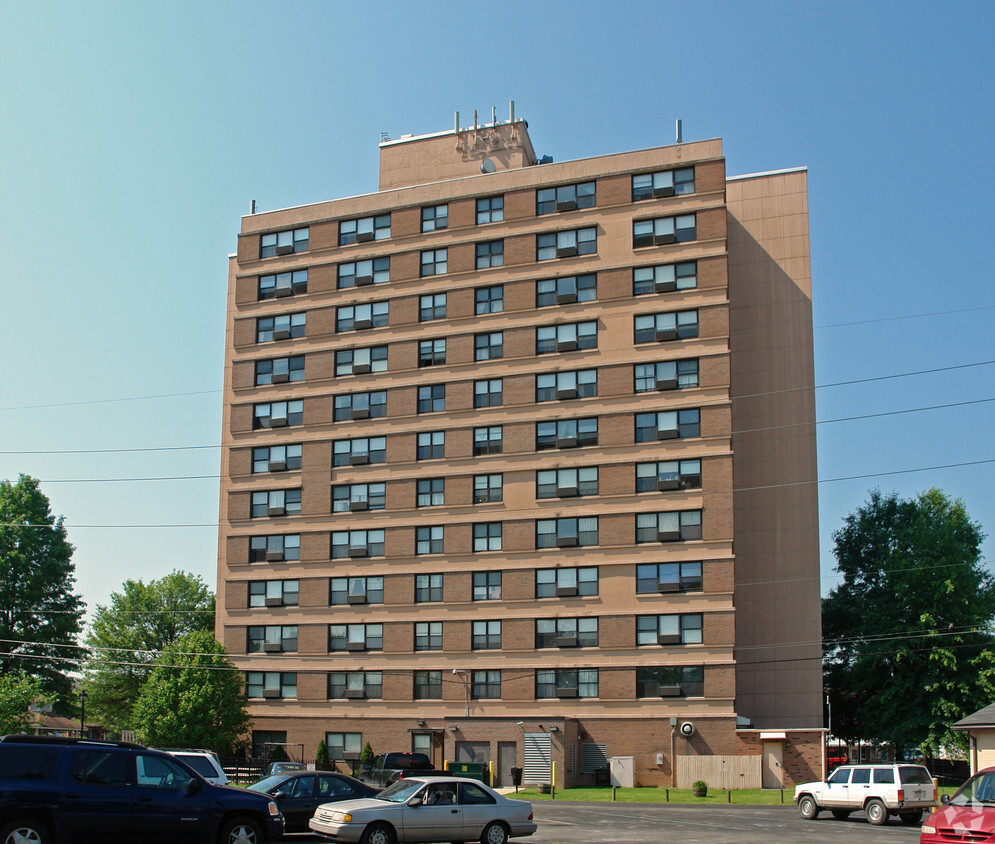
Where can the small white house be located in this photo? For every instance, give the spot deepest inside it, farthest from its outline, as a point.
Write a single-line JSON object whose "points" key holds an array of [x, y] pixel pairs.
{"points": [[980, 729]]}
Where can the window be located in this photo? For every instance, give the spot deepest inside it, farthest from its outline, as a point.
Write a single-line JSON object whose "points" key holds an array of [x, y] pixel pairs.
{"points": [[668, 527], [273, 593], [668, 629], [662, 183], [487, 393], [432, 399], [671, 681], [663, 230], [355, 637], [428, 685], [488, 440], [263, 741], [486, 635], [278, 285], [276, 502], [490, 209], [432, 307], [286, 242], [429, 540], [565, 198], [359, 497], [431, 352], [363, 273], [431, 492], [567, 582], [361, 361], [339, 744], [566, 433], [431, 445], [666, 375], [279, 370], [566, 337], [360, 406], [354, 685], [355, 590], [668, 475], [668, 577], [428, 588], [275, 549], [488, 488], [357, 543], [276, 458], [360, 451], [566, 244], [678, 325], [566, 533], [278, 414], [271, 684], [490, 254], [566, 290], [486, 685], [567, 683], [553, 386], [434, 217], [567, 483], [566, 632], [434, 262], [361, 317], [364, 229], [284, 327], [487, 536], [487, 586], [428, 636], [488, 346], [663, 278], [489, 300], [668, 425], [273, 639]]}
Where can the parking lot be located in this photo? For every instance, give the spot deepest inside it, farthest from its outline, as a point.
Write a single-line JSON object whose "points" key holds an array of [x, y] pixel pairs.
{"points": [[602, 823]]}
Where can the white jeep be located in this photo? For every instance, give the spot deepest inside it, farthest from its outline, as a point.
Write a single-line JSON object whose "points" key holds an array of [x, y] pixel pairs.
{"points": [[877, 790]]}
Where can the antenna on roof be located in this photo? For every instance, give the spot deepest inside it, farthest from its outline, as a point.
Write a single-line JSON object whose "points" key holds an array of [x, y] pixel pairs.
{"points": [[680, 131]]}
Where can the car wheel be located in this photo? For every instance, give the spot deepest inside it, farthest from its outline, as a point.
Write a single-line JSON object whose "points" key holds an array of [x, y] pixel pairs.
{"points": [[841, 814], [494, 833], [24, 831], [808, 807], [911, 818], [378, 833], [877, 814], [241, 831]]}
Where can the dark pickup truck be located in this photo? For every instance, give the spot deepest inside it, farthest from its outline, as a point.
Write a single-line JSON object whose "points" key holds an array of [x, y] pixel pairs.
{"points": [[388, 768]]}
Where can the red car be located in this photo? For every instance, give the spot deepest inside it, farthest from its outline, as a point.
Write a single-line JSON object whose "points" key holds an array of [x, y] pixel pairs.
{"points": [[967, 816]]}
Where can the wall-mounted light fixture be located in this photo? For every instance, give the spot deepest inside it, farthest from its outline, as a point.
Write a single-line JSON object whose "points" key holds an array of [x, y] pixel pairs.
{"points": [[554, 729], [420, 723], [453, 728]]}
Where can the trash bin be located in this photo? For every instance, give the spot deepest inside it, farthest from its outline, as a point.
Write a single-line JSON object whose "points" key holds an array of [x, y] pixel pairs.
{"points": [[516, 777]]}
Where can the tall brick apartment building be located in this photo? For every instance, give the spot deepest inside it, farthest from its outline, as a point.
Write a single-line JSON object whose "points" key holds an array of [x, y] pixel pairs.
{"points": [[519, 465]]}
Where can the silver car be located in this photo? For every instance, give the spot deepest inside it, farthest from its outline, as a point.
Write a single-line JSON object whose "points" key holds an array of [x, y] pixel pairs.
{"points": [[426, 809]]}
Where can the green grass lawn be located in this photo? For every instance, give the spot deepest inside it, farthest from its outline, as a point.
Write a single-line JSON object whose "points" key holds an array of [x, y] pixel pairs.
{"points": [[751, 797]]}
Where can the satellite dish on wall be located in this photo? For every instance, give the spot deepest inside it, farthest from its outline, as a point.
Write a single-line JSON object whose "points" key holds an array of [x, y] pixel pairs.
{"points": [[487, 166]]}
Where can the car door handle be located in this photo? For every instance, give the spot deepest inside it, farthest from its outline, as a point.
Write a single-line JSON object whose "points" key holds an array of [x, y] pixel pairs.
{"points": [[454, 811]]}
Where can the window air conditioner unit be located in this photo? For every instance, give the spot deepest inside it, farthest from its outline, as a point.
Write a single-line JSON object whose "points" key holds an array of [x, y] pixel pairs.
{"points": [[566, 542], [665, 286], [561, 692], [567, 492], [665, 190], [364, 280], [664, 239], [566, 642], [274, 556], [277, 422], [567, 442], [361, 369], [666, 384], [356, 646], [670, 691], [668, 535], [354, 694], [281, 333], [668, 639], [566, 205], [271, 693], [285, 249], [359, 506], [280, 377], [364, 237], [283, 288], [566, 298], [360, 324], [664, 334], [359, 459], [566, 251], [566, 591], [274, 602], [665, 588], [276, 510], [356, 599], [566, 345], [359, 413], [358, 552], [272, 648], [567, 394], [667, 434], [667, 484], [277, 465]]}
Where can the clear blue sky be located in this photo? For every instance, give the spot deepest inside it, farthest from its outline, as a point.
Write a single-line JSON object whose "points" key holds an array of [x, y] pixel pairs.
{"points": [[133, 136]]}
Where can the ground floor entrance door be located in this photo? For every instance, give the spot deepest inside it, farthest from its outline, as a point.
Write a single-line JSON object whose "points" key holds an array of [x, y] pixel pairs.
{"points": [[507, 756]]}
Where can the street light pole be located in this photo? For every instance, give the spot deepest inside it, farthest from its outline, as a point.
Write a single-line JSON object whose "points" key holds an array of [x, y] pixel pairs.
{"points": [[82, 713]]}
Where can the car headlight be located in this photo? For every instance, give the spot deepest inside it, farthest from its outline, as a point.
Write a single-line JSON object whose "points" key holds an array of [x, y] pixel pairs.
{"points": [[928, 830], [274, 810]]}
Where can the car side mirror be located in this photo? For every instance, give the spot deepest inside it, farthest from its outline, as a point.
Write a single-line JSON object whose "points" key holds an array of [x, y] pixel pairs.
{"points": [[944, 799], [193, 786], [415, 801], [279, 795]]}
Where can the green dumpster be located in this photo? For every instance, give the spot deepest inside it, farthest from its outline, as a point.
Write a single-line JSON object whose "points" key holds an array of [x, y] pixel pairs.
{"points": [[474, 770]]}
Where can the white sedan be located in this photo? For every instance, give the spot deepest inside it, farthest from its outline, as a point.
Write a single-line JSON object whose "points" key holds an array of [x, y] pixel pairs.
{"points": [[426, 809]]}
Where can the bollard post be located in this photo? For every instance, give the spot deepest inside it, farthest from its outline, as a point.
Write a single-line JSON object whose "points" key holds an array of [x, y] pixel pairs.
{"points": [[782, 796], [728, 795], [667, 798], [614, 789]]}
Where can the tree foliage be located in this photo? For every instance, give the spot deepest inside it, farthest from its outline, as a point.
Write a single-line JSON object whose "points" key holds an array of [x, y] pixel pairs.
{"points": [[40, 614], [128, 635], [17, 692], [907, 634], [193, 697]]}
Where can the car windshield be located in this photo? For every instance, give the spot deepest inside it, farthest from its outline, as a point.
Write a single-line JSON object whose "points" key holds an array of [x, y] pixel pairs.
{"points": [[914, 774], [979, 789], [400, 791], [267, 783]]}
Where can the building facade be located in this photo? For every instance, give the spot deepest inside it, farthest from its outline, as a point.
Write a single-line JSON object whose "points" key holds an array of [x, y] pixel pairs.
{"points": [[519, 465]]}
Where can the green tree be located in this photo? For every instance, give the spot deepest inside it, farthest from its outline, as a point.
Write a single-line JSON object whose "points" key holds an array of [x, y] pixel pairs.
{"points": [[193, 697], [321, 760], [366, 757], [907, 633], [17, 692], [128, 635], [40, 614]]}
